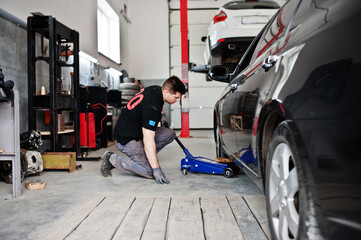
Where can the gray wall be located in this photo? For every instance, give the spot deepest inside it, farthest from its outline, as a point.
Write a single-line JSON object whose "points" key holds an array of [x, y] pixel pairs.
{"points": [[13, 61]]}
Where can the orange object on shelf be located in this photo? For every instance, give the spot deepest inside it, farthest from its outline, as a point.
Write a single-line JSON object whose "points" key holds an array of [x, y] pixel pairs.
{"points": [[63, 54]]}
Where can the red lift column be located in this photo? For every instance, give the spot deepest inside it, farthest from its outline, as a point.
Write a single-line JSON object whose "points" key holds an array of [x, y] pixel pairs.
{"points": [[184, 46]]}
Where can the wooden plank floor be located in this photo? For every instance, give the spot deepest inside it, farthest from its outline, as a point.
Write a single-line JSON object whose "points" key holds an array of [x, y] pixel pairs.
{"points": [[180, 217]]}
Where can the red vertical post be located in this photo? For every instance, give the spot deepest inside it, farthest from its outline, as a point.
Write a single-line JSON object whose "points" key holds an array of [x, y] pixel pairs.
{"points": [[184, 47]]}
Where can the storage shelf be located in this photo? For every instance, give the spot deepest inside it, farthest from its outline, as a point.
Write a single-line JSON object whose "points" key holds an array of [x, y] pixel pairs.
{"points": [[48, 133], [54, 101], [42, 109], [66, 65]]}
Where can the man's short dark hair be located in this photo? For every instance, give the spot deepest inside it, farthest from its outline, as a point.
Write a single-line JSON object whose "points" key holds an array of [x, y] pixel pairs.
{"points": [[174, 85]]}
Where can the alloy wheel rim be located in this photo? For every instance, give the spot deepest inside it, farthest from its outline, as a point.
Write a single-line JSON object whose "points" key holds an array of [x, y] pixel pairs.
{"points": [[283, 193]]}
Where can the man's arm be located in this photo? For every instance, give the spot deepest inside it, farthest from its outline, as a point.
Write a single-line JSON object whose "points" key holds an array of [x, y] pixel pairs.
{"points": [[150, 147]]}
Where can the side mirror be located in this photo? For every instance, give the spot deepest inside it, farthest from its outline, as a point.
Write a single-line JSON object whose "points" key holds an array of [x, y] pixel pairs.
{"points": [[219, 73]]}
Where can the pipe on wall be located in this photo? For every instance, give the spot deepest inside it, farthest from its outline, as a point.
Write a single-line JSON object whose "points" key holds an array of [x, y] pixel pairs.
{"points": [[13, 19]]}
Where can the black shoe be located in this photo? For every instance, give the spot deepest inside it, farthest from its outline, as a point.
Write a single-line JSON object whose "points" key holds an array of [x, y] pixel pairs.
{"points": [[106, 166]]}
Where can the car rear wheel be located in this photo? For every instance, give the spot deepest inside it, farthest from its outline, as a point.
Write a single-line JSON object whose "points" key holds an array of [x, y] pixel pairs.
{"points": [[290, 206]]}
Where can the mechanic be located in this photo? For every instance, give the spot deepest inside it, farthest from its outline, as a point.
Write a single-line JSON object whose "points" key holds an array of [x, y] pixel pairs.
{"points": [[138, 135]]}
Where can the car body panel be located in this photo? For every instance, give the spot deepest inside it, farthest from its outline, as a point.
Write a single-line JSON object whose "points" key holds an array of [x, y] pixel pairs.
{"points": [[314, 85]]}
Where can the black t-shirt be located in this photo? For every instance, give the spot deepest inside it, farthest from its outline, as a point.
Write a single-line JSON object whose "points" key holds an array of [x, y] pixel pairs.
{"points": [[143, 110]]}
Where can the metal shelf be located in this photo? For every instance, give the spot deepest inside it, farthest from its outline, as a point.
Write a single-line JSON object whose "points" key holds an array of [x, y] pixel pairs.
{"points": [[10, 140], [48, 133], [57, 35]]}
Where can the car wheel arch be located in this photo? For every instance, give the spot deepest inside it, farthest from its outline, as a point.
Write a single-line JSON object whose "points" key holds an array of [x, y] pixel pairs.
{"points": [[270, 117]]}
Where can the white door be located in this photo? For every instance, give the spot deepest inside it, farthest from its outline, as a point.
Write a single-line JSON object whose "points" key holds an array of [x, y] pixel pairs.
{"points": [[202, 94]]}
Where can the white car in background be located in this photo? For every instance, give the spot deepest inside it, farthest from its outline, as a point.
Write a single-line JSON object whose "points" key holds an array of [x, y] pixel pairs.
{"points": [[233, 28]]}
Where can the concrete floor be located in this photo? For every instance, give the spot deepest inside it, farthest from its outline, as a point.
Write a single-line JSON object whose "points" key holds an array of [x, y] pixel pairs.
{"points": [[66, 192]]}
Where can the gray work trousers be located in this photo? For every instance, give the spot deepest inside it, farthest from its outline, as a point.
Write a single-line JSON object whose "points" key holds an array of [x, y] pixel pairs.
{"points": [[137, 161]]}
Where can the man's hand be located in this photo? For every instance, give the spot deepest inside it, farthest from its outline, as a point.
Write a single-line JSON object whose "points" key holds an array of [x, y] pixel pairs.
{"points": [[159, 176]]}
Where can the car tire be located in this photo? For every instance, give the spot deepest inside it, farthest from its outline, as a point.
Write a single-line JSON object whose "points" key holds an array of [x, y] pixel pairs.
{"points": [[129, 92], [129, 86], [127, 98], [291, 207]]}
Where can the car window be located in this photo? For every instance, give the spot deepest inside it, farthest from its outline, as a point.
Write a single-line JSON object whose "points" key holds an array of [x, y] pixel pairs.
{"points": [[277, 28], [242, 4]]}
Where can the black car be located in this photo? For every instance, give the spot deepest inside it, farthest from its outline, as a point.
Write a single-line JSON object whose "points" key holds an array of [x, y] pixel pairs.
{"points": [[290, 116]]}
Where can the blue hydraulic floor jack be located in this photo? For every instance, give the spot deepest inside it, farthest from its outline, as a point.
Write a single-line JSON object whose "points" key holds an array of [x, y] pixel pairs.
{"points": [[205, 165]]}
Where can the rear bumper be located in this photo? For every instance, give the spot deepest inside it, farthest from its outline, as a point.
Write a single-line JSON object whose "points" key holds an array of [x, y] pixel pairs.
{"points": [[227, 41]]}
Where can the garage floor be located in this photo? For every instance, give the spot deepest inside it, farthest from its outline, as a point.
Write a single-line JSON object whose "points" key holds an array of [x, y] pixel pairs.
{"points": [[85, 205]]}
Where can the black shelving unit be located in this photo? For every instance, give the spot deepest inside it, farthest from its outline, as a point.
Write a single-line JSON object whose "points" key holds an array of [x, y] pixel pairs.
{"points": [[60, 40]]}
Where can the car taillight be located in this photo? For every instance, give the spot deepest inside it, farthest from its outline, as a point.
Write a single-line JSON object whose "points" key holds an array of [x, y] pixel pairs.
{"points": [[221, 16]]}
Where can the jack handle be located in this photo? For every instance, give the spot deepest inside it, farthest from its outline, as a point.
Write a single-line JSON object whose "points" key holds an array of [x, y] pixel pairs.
{"points": [[165, 124]]}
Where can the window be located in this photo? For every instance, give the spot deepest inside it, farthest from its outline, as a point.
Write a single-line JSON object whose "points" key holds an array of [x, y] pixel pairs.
{"points": [[108, 31], [251, 4]]}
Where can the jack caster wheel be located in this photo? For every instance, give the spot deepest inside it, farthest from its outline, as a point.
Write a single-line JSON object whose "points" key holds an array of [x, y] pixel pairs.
{"points": [[228, 172], [184, 171]]}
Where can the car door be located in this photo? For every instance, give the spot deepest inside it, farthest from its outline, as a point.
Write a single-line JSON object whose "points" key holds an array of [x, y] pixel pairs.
{"points": [[230, 119], [228, 105], [259, 76], [227, 108]]}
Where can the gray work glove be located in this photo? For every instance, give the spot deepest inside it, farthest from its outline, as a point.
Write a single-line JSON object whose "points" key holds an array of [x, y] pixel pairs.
{"points": [[159, 176]]}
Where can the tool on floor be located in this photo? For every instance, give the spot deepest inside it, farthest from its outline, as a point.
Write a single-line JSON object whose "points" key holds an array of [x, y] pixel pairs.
{"points": [[34, 185], [205, 165]]}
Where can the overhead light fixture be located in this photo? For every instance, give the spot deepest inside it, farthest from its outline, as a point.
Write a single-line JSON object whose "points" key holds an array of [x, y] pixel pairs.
{"points": [[88, 57]]}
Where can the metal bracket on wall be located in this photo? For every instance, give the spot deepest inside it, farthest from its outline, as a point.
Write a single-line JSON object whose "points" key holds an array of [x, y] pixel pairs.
{"points": [[122, 12]]}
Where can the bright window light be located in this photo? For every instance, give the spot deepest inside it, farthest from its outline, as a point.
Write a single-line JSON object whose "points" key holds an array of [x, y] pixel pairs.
{"points": [[108, 31], [112, 71], [87, 57]]}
